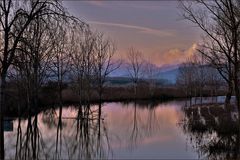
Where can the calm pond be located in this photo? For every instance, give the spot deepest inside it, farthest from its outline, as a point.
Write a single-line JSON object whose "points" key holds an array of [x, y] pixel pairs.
{"points": [[118, 130]]}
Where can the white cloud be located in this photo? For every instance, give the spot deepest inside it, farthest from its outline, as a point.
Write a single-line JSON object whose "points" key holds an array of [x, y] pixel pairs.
{"points": [[173, 56]]}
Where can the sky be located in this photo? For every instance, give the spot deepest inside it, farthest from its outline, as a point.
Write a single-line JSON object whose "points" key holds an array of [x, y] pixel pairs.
{"points": [[156, 28]]}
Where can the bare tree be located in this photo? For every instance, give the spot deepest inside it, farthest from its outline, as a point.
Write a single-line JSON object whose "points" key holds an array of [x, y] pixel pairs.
{"points": [[104, 51], [200, 70], [185, 79], [213, 81], [135, 63], [82, 60], [16, 16], [219, 20], [151, 72], [63, 50]]}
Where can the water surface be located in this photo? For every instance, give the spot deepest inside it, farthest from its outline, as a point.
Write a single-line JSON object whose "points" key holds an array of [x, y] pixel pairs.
{"points": [[117, 130]]}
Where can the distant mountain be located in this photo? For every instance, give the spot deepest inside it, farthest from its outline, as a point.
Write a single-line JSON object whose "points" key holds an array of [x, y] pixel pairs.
{"points": [[169, 67], [166, 72], [120, 72], [170, 75], [118, 81]]}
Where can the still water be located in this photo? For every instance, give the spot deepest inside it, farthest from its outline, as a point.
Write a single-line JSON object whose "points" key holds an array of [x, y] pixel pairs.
{"points": [[112, 130]]}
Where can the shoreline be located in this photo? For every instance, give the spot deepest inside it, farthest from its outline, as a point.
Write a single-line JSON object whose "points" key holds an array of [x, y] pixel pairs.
{"points": [[48, 97]]}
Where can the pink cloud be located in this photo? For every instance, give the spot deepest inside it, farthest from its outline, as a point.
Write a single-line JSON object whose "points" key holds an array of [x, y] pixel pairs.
{"points": [[173, 56]]}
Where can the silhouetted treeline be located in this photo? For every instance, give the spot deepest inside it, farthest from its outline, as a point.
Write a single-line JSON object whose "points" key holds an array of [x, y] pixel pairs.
{"points": [[220, 46], [41, 40], [195, 78]]}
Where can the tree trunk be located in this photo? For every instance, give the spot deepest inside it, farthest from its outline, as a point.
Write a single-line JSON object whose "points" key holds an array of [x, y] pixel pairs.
{"points": [[190, 97], [237, 96], [2, 107], [190, 101], [229, 94], [195, 98], [201, 94], [60, 88], [100, 92], [236, 87], [135, 90]]}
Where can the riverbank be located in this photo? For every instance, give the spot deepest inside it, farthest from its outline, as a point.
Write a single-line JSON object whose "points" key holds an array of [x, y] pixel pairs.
{"points": [[123, 93], [48, 96], [209, 117]]}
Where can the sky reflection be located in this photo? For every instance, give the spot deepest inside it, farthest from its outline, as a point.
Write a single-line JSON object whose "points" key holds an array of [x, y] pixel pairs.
{"points": [[123, 131]]}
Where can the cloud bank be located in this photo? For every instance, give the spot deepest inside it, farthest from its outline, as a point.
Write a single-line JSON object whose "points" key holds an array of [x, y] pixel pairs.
{"points": [[174, 56]]}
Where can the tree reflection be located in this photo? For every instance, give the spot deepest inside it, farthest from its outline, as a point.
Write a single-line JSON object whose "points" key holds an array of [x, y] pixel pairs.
{"points": [[213, 131], [144, 122], [90, 135], [152, 122], [80, 136], [59, 135], [135, 134], [29, 144], [81, 132]]}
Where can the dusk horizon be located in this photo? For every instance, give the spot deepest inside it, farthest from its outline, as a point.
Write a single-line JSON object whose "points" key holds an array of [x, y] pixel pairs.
{"points": [[109, 79], [156, 28]]}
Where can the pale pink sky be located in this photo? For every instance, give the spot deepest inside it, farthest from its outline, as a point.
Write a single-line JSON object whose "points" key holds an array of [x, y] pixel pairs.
{"points": [[154, 27]]}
